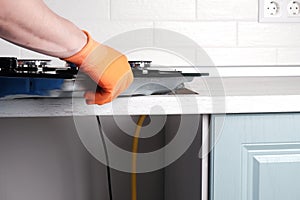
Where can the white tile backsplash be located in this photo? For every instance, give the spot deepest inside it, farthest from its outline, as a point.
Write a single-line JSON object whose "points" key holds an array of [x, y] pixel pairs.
{"points": [[153, 9], [125, 36], [205, 34], [253, 34], [242, 56], [228, 30], [227, 10], [106, 30], [289, 56], [77, 9]]}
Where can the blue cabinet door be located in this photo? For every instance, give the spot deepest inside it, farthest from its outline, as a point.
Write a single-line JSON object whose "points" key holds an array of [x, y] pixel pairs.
{"points": [[255, 157]]}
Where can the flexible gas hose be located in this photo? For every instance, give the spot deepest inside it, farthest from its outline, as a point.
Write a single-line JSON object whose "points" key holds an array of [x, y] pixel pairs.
{"points": [[134, 156]]}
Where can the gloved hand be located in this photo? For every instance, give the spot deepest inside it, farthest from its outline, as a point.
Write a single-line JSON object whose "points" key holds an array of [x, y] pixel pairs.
{"points": [[107, 67]]}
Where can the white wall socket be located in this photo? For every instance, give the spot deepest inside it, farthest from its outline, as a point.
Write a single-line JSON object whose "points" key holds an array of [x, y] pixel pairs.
{"points": [[279, 10], [294, 9], [272, 9]]}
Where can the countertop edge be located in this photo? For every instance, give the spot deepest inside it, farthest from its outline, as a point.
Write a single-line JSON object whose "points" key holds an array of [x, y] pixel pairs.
{"points": [[152, 105]]}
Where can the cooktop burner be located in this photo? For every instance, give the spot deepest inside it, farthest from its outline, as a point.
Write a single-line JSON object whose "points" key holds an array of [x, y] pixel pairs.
{"points": [[22, 78], [39, 68]]}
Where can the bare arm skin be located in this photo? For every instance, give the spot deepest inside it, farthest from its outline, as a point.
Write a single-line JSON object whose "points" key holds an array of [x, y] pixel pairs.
{"points": [[31, 24]]}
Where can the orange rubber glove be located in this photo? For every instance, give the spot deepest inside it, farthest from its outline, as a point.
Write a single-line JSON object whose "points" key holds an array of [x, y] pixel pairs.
{"points": [[107, 67]]}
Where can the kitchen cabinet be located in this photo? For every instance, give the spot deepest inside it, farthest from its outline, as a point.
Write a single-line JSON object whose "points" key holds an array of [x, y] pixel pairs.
{"points": [[254, 152], [255, 157], [44, 158]]}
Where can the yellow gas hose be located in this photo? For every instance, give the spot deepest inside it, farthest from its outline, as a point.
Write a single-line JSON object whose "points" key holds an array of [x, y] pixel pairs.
{"points": [[134, 156]]}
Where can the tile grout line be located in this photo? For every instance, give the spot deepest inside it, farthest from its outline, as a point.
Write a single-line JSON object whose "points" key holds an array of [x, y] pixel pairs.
{"points": [[110, 10]]}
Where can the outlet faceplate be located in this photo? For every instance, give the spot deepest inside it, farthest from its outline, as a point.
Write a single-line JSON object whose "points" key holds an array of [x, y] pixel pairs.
{"points": [[279, 10], [272, 9], [294, 9]]}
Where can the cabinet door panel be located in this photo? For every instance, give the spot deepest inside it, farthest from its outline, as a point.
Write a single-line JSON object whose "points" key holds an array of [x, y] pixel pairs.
{"points": [[256, 156]]}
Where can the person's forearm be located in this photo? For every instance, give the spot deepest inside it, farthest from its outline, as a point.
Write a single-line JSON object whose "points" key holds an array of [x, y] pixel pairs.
{"points": [[31, 24]]}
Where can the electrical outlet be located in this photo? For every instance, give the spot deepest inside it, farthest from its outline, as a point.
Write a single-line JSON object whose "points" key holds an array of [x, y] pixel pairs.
{"points": [[271, 9], [293, 9], [279, 10]]}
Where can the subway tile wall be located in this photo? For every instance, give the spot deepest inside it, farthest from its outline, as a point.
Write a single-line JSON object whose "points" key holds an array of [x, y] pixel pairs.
{"points": [[228, 30]]}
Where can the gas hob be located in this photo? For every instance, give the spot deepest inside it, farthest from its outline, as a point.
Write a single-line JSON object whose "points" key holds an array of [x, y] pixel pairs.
{"points": [[37, 78]]}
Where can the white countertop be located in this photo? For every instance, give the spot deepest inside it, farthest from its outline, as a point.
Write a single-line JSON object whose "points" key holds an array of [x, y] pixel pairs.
{"points": [[240, 95]]}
